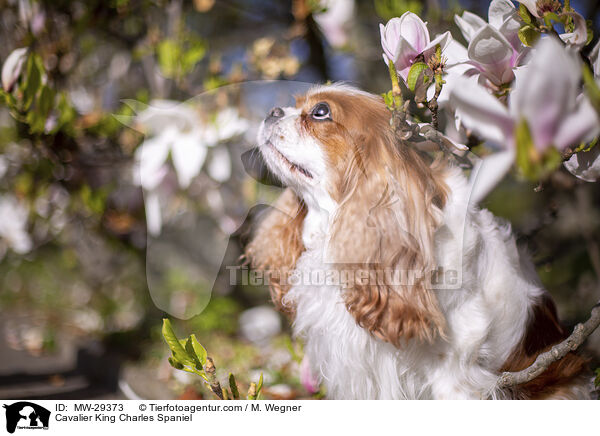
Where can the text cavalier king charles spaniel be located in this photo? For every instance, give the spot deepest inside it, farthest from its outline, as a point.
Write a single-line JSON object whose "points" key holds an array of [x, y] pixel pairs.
{"points": [[380, 221]]}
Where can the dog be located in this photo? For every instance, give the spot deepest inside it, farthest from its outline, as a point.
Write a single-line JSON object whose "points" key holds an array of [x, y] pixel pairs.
{"points": [[380, 221]]}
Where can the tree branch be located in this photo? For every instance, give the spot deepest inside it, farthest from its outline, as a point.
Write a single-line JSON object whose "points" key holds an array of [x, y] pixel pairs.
{"points": [[557, 352]]}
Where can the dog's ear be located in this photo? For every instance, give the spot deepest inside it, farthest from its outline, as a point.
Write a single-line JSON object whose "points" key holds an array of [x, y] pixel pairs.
{"points": [[276, 244], [383, 237]]}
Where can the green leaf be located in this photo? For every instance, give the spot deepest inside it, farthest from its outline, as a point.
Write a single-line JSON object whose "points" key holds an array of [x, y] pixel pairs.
{"points": [[388, 99], [178, 351], [597, 380], [193, 55], [199, 350], [168, 56], [190, 351], [39, 115], [259, 385], [528, 35], [413, 74], [233, 386], [33, 80], [525, 14], [590, 31], [174, 363]]}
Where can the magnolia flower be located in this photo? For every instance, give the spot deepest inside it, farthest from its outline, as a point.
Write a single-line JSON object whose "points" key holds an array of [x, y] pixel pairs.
{"points": [[13, 223], [307, 378], [578, 37], [176, 130], [494, 48], [545, 97], [532, 6], [13, 65], [585, 165], [405, 38], [334, 21]]}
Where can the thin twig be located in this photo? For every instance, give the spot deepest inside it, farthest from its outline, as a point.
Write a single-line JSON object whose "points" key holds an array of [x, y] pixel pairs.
{"points": [[557, 352], [211, 372]]}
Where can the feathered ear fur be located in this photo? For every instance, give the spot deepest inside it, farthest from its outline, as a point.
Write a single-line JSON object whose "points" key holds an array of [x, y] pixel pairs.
{"points": [[391, 202], [276, 245]]}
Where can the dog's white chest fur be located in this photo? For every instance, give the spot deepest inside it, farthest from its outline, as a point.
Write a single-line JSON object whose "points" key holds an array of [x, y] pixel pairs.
{"points": [[484, 315]]}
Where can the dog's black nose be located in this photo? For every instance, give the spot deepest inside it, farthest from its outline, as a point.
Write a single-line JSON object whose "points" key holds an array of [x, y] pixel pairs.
{"points": [[275, 114]]}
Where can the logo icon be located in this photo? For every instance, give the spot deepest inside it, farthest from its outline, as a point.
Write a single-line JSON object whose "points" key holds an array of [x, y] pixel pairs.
{"points": [[26, 415]]}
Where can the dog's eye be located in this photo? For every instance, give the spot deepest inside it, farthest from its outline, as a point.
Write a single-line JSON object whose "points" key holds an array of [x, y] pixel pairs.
{"points": [[321, 111]]}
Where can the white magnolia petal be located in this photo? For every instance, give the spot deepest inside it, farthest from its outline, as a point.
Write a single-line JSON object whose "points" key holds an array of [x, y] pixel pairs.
{"points": [[442, 40], [333, 22], [510, 30], [531, 5], [456, 53], [595, 59], [469, 24], [481, 112], [578, 37], [219, 167], [500, 11], [488, 172], [390, 38], [388, 44], [230, 124], [188, 153], [414, 30], [489, 46], [162, 114], [582, 125], [153, 213], [11, 70], [150, 157], [585, 165], [13, 224], [546, 93]]}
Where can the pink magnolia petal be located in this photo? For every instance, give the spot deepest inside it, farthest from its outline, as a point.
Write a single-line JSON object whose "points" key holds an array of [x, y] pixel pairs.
{"points": [[501, 11], [442, 40], [11, 70], [488, 172], [489, 46], [578, 37], [546, 93], [510, 30], [481, 112], [388, 44], [469, 24], [585, 165], [405, 56], [493, 54], [414, 31], [307, 377], [579, 126]]}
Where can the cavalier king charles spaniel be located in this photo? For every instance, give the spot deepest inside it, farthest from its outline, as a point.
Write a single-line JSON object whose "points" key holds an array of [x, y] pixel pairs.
{"points": [[398, 285]]}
